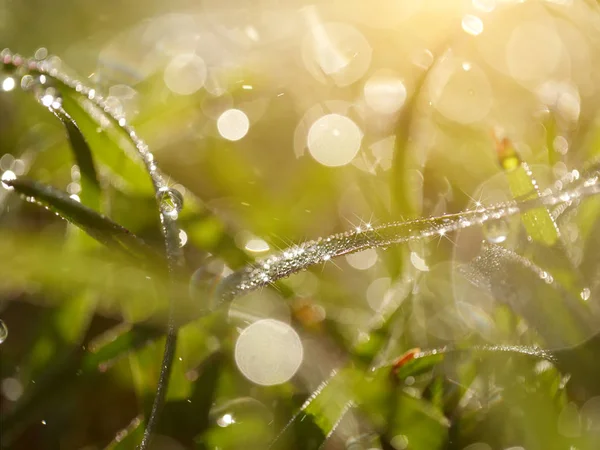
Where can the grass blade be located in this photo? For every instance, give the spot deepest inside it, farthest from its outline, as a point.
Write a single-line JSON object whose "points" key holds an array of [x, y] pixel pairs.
{"points": [[96, 225], [538, 222], [90, 186]]}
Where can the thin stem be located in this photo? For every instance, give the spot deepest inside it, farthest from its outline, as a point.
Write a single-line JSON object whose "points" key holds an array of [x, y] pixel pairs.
{"points": [[300, 257]]}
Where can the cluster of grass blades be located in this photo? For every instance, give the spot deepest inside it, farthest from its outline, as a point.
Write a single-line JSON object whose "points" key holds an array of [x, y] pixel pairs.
{"points": [[354, 401]]}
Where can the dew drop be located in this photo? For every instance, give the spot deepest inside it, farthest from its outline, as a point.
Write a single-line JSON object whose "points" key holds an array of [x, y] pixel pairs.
{"points": [[183, 238], [496, 231], [585, 294], [3, 331], [8, 175], [171, 201]]}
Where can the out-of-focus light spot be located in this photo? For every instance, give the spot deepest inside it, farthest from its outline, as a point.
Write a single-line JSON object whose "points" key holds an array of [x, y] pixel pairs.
{"points": [[12, 389], [47, 100], [75, 197], [183, 238], [8, 175], [44, 422], [561, 2], [562, 98], [422, 58], [466, 66], [484, 5], [225, 420], [185, 74], [268, 352], [561, 145], [334, 140], [7, 161], [258, 305], [399, 442], [3, 331], [472, 25], [233, 124], [246, 87], [362, 260], [378, 293], [569, 421], [590, 414], [41, 53], [418, 262], [336, 50], [464, 96], [74, 188], [8, 84], [533, 51], [252, 33], [257, 245], [585, 294], [384, 93], [478, 446]]}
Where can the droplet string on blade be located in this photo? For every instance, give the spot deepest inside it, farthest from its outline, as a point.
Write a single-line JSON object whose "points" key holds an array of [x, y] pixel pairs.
{"points": [[302, 256]]}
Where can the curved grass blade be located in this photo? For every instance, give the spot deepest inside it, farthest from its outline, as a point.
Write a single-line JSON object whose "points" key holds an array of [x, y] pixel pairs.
{"points": [[416, 362], [319, 416], [106, 147], [300, 257], [96, 225], [90, 186]]}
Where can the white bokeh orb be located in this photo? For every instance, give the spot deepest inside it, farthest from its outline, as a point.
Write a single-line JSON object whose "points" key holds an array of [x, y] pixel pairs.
{"points": [[268, 352]]}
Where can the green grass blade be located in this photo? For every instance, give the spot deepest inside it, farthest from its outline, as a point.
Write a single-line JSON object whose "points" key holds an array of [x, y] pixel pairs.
{"points": [[90, 186], [538, 222], [96, 225]]}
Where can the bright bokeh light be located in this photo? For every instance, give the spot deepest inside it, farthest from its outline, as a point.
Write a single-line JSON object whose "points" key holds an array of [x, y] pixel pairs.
{"points": [[384, 93], [362, 260], [334, 140], [418, 262], [461, 91], [185, 74], [485, 6], [268, 352], [472, 25], [233, 124], [256, 245], [8, 84], [533, 51], [336, 50], [378, 292]]}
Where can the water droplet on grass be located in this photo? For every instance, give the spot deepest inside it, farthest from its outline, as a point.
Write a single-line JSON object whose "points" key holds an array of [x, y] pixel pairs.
{"points": [[585, 294], [496, 231], [8, 175], [171, 201]]}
